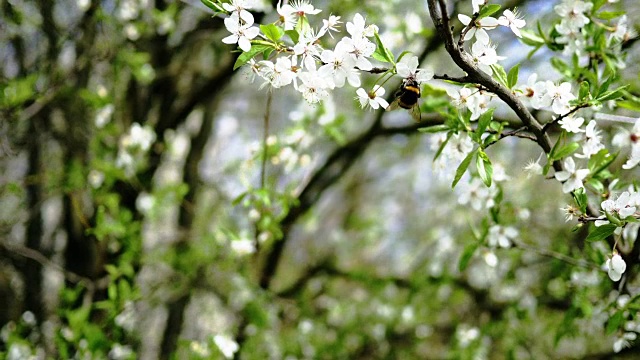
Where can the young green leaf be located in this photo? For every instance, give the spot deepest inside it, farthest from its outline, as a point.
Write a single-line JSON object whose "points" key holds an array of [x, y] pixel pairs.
{"points": [[488, 10], [584, 91], [484, 121], [213, 5], [293, 35], [500, 74], [462, 168], [441, 148], [612, 95], [484, 167], [601, 232], [246, 56], [467, 255], [272, 32], [512, 76], [382, 53], [434, 128], [565, 151], [581, 199]]}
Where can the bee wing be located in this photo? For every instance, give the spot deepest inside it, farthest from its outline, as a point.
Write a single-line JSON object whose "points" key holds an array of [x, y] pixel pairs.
{"points": [[415, 113], [394, 105]]}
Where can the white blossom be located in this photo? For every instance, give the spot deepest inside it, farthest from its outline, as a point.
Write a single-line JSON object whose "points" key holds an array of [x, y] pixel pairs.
{"points": [[478, 28], [571, 176], [358, 29], [227, 345], [484, 55], [501, 236], [372, 98], [513, 21], [241, 33], [572, 124], [239, 8], [615, 267], [407, 67]]}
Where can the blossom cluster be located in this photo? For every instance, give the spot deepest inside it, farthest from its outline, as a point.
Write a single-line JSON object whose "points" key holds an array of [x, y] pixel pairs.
{"points": [[483, 52], [310, 68]]}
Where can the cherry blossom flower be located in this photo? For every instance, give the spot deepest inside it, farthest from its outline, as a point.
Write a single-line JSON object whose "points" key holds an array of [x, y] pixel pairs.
{"points": [[573, 13], [572, 124], [281, 73], [621, 32], [501, 236], [358, 29], [360, 48], [471, 99], [572, 38], [240, 34], [290, 13], [630, 138], [372, 98], [407, 67], [623, 206], [330, 24], [533, 167], [511, 20], [475, 193], [475, 4], [571, 176], [239, 8], [624, 341], [227, 345], [484, 55], [548, 94], [313, 86], [478, 28], [615, 267], [340, 66], [592, 142]]}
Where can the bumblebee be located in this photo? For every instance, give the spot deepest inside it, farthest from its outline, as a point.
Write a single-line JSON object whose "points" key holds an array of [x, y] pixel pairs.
{"points": [[407, 98]]}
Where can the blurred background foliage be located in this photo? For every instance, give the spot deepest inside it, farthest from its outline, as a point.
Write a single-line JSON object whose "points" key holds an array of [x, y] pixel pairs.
{"points": [[138, 221]]}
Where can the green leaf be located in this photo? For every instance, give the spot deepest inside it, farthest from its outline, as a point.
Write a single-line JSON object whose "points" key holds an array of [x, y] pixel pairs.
{"points": [[581, 199], [444, 143], [600, 161], [272, 32], [484, 121], [584, 90], [565, 151], [246, 56], [608, 15], [500, 74], [612, 95], [615, 322], [213, 5], [602, 232], [466, 256], [294, 35], [382, 53], [434, 128], [512, 76], [484, 167], [462, 168], [561, 66], [488, 10], [402, 54], [530, 38], [605, 85]]}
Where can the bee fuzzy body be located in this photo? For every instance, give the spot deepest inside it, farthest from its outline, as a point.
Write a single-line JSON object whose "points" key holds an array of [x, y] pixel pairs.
{"points": [[407, 98]]}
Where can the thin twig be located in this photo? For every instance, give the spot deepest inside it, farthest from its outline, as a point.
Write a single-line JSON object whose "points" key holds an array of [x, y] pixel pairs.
{"points": [[556, 255], [32, 254], [556, 120], [265, 135]]}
